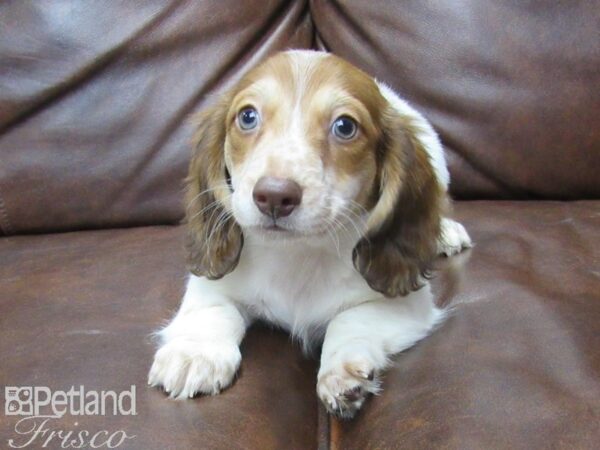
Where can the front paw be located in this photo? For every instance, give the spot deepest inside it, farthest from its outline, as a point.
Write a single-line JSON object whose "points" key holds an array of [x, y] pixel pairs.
{"points": [[344, 388], [185, 368], [453, 238]]}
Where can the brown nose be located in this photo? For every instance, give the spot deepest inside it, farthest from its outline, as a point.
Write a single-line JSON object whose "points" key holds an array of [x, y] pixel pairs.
{"points": [[276, 197]]}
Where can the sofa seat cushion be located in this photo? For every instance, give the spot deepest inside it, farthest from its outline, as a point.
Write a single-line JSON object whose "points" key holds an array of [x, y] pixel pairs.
{"points": [[515, 366], [79, 309]]}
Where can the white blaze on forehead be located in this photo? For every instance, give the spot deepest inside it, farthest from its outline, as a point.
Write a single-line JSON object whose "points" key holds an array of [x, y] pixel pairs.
{"points": [[294, 149], [303, 63]]}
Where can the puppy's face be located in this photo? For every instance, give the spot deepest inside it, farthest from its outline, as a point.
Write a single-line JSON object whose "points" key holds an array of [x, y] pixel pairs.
{"points": [[305, 144], [302, 132]]}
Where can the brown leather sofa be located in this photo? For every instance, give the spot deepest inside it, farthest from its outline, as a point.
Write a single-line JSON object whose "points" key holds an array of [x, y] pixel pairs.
{"points": [[95, 98]]}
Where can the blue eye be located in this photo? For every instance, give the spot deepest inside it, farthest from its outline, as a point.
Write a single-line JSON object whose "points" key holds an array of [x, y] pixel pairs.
{"points": [[344, 128], [248, 118]]}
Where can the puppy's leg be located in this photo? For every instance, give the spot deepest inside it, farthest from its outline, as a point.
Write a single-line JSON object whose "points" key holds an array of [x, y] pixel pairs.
{"points": [[453, 238], [359, 342], [200, 347]]}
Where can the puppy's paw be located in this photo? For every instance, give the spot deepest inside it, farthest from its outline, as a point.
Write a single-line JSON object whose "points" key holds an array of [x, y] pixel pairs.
{"points": [[185, 368], [453, 238], [344, 388]]}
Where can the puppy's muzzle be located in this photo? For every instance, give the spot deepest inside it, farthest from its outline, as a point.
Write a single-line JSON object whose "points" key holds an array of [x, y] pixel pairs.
{"points": [[276, 197]]}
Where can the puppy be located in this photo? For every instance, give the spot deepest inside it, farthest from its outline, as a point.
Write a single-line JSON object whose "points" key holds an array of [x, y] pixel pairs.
{"points": [[315, 202]]}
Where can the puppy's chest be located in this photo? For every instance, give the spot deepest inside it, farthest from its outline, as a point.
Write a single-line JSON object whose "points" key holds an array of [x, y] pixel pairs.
{"points": [[297, 286]]}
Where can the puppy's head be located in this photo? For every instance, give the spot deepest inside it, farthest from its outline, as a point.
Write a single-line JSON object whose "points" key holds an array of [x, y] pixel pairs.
{"points": [[303, 146]]}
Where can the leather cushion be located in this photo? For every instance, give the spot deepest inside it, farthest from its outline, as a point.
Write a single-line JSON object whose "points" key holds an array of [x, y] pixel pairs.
{"points": [[79, 309], [515, 366], [95, 99]]}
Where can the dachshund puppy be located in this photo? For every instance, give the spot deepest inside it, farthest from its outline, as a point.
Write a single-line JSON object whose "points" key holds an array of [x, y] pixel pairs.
{"points": [[316, 201]]}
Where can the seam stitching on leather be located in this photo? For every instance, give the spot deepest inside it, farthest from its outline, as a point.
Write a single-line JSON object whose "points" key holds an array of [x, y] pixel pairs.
{"points": [[5, 224]]}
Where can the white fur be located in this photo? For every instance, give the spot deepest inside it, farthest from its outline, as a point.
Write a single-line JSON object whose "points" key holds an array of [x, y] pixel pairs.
{"points": [[305, 285], [360, 340], [306, 288], [453, 238]]}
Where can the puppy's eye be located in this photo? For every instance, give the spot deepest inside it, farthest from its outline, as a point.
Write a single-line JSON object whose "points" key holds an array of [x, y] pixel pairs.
{"points": [[344, 128], [248, 118]]}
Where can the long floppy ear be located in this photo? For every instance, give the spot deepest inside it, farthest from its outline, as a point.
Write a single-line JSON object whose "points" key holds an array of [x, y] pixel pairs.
{"points": [[214, 240], [403, 227]]}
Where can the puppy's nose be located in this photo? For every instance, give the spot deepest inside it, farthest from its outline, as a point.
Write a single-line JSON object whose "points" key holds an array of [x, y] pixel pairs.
{"points": [[276, 197]]}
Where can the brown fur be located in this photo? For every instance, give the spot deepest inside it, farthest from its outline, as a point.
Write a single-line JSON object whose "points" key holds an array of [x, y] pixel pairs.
{"points": [[396, 256], [214, 240]]}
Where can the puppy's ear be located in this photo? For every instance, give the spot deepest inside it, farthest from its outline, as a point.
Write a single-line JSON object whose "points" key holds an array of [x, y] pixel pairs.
{"points": [[214, 240], [402, 229]]}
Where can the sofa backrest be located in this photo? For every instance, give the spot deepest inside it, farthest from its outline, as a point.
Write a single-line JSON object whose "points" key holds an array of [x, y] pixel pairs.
{"points": [[95, 99], [96, 96]]}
